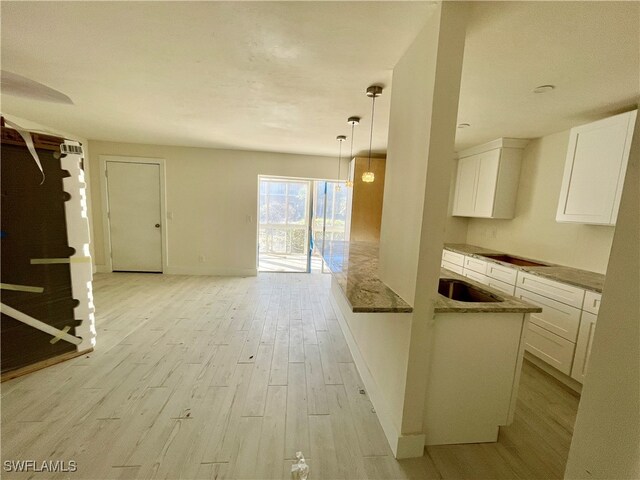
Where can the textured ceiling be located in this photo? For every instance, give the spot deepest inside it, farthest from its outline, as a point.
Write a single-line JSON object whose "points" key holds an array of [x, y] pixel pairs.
{"points": [[284, 76], [273, 76]]}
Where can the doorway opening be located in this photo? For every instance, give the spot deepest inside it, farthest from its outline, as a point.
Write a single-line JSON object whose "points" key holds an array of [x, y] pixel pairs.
{"points": [[296, 217]]}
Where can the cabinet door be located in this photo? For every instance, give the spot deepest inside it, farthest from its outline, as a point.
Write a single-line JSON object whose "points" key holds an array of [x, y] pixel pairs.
{"points": [[583, 346], [478, 277], [594, 170], [555, 317], [502, 273], [453, 257], [466, 187], [486, 183], [561, 292], [554, 350], [475, 264]]}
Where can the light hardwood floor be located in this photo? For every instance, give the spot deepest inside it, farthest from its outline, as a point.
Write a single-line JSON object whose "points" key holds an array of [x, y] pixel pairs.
{"points": [[207, 377]]}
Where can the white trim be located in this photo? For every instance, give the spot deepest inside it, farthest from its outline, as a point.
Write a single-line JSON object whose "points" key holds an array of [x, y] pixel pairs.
{"points": [[402, 446], [211, 271], [570, 383], [108, 265], [498, 143]]}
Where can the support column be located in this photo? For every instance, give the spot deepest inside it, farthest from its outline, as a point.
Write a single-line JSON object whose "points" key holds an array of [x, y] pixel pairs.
{"points": [[420, 157]]}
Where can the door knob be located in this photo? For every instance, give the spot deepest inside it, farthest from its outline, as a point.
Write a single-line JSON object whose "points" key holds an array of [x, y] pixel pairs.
{"points": [[157, 225]]}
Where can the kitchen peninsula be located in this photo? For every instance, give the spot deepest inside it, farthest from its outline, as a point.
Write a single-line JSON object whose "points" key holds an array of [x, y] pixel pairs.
{"points": [[477, 338]]}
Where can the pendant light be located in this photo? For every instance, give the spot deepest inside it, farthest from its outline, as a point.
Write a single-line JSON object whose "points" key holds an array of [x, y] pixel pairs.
{"points": [[373, 91], [353, 121], [340, 138]]}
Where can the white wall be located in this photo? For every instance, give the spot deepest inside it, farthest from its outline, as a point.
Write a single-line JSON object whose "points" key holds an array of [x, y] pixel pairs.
{"points": [[606, 437], [420, 157], [213, 197], [534, 231]]}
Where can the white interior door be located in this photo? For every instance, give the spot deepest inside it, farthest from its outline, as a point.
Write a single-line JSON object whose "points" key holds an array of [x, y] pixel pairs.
{"points": [[134, 216]]}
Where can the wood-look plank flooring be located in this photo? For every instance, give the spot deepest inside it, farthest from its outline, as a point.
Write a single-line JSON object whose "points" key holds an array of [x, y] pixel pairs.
{"points": [[216, 378]]}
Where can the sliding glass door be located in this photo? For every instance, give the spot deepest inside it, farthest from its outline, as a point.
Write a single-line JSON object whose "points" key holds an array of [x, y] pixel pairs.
{"points": [[296, 219], [283, 238]]}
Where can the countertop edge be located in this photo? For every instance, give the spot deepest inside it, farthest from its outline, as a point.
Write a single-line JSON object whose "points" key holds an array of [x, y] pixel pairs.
{"points": [[531, 270]]}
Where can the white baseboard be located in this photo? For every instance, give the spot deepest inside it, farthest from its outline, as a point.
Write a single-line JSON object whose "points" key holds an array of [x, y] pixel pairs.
{"points": [[193, 270], [402, 446], [211, 271], [557, 374]]}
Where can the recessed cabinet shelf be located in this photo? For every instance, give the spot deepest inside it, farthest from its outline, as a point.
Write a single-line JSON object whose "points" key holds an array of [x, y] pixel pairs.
{"points": [[595, 169], [487, 179]]}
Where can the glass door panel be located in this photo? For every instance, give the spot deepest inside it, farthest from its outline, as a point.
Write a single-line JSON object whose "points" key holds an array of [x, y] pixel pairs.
{"points": [[283, 236]]}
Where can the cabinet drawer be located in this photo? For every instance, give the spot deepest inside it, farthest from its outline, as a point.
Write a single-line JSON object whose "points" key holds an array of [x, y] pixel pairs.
{"points": [[500, 285], [478, 266], [502, 273], [453, 257], [556, 317], [554, 350], [561, 292], [583, 346], [478, 277], [453, 267], [591, 302]]}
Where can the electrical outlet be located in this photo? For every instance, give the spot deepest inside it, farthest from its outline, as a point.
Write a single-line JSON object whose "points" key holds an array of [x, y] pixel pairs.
{"points": [[169, 215], [201, 259]]}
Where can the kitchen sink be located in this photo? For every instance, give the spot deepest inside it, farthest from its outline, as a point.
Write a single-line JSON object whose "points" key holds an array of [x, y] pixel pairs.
{"points": [[521, 262], [464, 292]]}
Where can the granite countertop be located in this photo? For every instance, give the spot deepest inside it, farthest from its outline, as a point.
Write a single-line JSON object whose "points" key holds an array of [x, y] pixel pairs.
{"points": [[508, 304], [354, 265], [572, 276]]}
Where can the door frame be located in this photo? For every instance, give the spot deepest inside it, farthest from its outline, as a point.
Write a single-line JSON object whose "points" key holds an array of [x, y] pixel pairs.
{"points": [[106, 228]]}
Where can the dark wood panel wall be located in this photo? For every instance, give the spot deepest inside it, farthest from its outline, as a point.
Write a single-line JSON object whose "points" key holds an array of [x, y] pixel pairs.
{"points": [[33, 226]]}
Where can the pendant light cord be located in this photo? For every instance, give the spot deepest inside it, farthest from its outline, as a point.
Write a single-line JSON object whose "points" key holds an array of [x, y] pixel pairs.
{"points": [[351, 152], [373, 106], [353, 125], [339, 158]]}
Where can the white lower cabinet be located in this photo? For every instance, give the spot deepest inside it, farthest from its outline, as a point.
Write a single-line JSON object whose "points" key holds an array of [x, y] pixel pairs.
{"points": [[552, 348], [475, 265], [558, 318], [591, 302], [561, 292], [453, 257], [562, 334], [502, 273], [478, 277], [504, 287], [453, 267], [583, 346]]}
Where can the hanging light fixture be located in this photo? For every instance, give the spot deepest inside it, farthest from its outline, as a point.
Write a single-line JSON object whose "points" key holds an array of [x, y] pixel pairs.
{"points": [[373, 91], [353, 121], [340, 138]]}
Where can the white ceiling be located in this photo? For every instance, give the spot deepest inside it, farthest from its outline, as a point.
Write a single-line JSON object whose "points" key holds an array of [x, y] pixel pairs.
{"points": [[589, 50], [272, 76], [284, 76]]}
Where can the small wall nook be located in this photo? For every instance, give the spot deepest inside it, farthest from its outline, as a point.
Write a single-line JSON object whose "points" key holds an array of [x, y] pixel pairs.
{"points": [[487, 179]]}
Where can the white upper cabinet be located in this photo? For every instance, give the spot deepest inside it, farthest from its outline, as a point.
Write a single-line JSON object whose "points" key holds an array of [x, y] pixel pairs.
{"points": [[594, 170], [487, 179]]}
